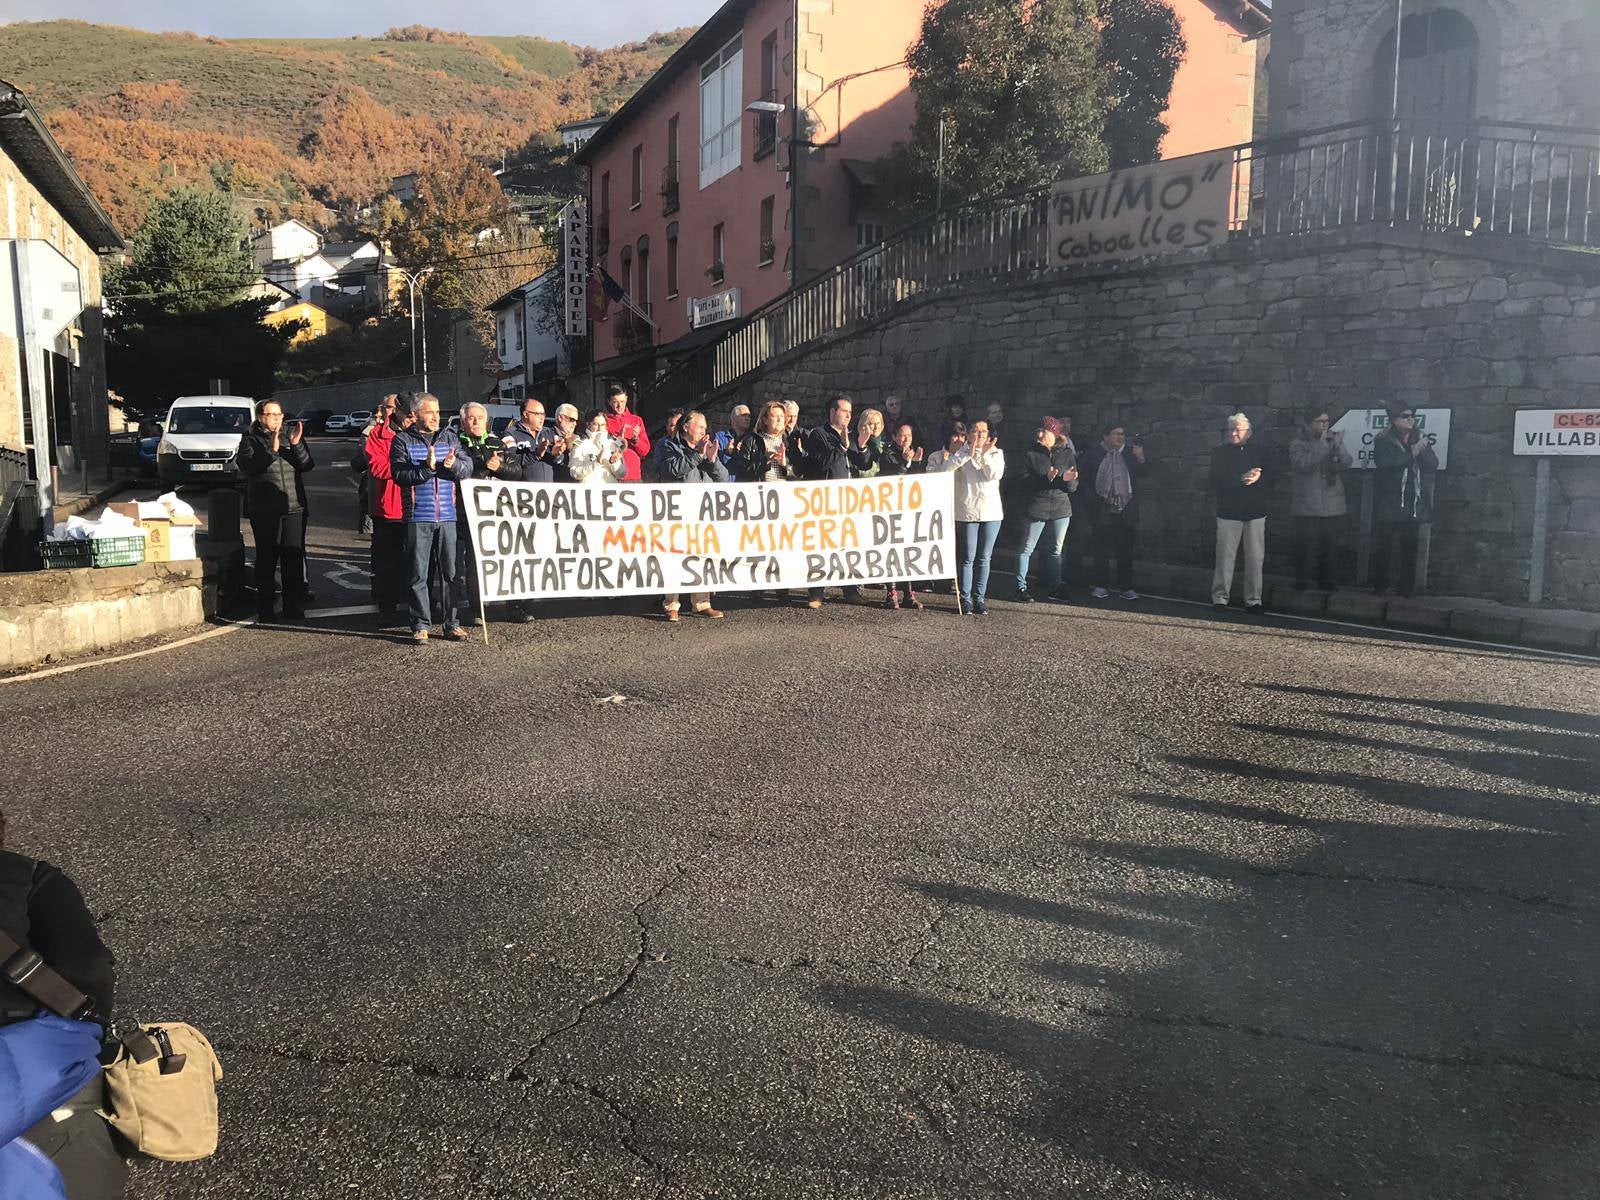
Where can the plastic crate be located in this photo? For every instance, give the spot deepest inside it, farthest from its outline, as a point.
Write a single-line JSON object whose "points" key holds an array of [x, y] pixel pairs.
{"points": [[98, 552]]}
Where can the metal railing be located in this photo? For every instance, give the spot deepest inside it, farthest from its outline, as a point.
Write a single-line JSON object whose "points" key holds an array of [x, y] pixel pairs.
{"points": [[669, 189], [1531, 183], [765, 128], [20, 523], [1525, 181]]}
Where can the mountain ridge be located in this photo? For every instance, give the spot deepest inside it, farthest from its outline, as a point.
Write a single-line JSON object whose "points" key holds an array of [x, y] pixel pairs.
{"points": [[311, 127]]}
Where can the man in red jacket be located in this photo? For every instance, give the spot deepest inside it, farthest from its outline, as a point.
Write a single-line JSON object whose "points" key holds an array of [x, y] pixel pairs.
{"points": [[388, 513], [620, 423]]}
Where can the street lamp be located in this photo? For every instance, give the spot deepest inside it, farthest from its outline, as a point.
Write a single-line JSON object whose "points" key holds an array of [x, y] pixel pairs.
{"points": [[413, 281]]}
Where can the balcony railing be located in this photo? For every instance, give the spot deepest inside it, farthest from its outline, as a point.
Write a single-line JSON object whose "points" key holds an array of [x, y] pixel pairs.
{"points": [[766, 129], [630, 332], [1528, 183], [669, 189]]}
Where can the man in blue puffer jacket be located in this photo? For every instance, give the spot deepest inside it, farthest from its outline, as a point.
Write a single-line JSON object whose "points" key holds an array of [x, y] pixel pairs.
{"points": [[427, 462]]}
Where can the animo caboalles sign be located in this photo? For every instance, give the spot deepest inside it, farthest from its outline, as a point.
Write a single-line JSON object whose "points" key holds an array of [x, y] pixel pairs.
{"points": [[1177, 205]]}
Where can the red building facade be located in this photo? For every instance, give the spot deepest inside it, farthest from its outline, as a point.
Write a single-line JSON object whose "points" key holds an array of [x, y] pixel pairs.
{"points": [[695, 198]]}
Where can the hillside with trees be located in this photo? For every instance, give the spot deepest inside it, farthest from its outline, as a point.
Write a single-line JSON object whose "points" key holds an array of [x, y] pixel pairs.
{"points": [[313, 128]]}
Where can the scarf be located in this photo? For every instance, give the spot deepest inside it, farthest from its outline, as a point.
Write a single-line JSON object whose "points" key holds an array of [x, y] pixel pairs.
{"points": [[1112, 483]]}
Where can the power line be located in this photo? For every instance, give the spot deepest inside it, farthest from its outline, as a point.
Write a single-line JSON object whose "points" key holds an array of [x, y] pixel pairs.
{"points": [[542, 249], [547, 262]]}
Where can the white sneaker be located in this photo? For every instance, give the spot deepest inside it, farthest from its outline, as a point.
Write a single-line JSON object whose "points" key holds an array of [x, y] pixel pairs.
{"points": [[1100, 593], [1130, 594]]}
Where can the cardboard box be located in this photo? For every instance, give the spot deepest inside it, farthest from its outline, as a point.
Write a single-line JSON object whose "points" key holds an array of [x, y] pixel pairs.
{"points": [[166, 538]]}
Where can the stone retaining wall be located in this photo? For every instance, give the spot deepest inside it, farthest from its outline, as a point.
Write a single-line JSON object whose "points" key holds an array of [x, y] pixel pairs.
{"points": [[1351, 320], [58, 614]]}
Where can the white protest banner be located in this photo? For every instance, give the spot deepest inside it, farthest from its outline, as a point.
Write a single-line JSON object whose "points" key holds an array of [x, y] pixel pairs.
{"points": [[1180, 204], [1361, 427], [536, 541], [1557, 431]]}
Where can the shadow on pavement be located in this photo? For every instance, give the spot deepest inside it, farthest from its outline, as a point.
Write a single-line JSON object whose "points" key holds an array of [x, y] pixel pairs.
{"points": [[1290, 1019]]}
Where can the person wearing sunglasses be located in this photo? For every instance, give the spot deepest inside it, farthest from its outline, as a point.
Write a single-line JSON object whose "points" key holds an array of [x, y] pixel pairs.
{"points": [[1404, 464]]}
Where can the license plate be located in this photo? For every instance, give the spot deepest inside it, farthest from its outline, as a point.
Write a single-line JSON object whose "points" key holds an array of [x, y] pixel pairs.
{"points": [[205, 466]]}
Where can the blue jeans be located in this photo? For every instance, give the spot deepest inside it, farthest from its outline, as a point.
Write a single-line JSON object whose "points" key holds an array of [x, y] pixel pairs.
{"points": [[1055, 537], [432, 542], [976, 539]]}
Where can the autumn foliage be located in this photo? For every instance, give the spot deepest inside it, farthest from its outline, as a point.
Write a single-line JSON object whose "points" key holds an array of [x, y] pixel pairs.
{"points": [[309, 128]]}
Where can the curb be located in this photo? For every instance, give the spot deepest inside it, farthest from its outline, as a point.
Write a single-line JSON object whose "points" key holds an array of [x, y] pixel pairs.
{"points": [[81, 505], [1363, 608]]}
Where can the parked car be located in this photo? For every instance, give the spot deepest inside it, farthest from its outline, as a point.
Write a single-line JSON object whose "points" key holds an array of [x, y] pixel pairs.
{"points": [[359, 420], [314, 419], [338, 424], [201, 442]]}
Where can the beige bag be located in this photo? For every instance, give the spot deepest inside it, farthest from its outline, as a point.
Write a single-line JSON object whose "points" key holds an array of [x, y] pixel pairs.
{"points": [[162, 1091]]}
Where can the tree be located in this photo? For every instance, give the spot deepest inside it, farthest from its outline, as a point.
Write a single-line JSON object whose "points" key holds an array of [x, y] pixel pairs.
{"points": [[448, 227], [179, 314], [1032, 91], [520, 256], [191, 251], [1020, 91], [1141, 48]]}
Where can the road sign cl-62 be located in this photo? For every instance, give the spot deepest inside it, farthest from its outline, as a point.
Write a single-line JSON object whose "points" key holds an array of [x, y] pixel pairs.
{"points": [[1541, 431]]}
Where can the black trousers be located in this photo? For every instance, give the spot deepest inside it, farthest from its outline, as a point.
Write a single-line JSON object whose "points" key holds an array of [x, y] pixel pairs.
{"points": [[389, 588], [280, 539], [1316, 548], [82, 1146], [1394, 556], [1113, 537]]}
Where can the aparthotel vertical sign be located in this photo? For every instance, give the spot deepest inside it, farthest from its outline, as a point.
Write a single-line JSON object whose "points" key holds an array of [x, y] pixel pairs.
{"points": [[575, 275]]}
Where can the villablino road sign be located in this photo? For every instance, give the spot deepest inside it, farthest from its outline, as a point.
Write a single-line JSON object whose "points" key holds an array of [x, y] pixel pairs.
{"points": [[1543, 431]]}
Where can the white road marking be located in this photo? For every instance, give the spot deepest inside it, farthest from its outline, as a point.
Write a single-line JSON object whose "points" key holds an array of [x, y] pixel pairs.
{"points": [[347, 568]]}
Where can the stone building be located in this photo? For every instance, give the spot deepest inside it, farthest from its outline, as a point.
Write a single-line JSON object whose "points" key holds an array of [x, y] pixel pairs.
{"points": [[42, 199], [1460, 60]]}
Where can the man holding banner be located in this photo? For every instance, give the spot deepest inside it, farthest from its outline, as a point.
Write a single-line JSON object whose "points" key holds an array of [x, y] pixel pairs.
{"points": [[829, 455], [691, 456]]}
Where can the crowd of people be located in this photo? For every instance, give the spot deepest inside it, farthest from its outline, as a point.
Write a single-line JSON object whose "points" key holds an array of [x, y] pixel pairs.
{"points": [[412, 466]]}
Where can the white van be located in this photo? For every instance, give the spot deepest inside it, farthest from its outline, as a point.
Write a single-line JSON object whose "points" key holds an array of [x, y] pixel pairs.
{"points": [[201, 443]]}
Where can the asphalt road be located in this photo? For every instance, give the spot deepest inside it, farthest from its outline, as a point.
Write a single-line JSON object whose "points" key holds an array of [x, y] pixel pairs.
{"points": [[1091, 902]]}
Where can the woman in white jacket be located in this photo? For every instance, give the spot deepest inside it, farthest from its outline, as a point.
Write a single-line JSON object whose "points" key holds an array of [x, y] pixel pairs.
{"points": [[978, 465], [596, 457]]}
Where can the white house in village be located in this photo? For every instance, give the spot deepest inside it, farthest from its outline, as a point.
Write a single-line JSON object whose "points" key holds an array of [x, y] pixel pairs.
{"points": [[348, 278], [289, 241], [528, 338]]}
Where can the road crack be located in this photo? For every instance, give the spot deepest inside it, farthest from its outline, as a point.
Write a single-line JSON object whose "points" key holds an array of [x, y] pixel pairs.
{"points": [[630, 1138], [643, 955]]}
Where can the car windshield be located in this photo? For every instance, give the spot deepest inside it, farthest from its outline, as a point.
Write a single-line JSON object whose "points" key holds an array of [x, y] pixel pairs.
{"points": [[209, 420], [501, 424]]}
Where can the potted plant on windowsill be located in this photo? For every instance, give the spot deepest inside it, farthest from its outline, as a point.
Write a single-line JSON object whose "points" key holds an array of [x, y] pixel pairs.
{"points": [[769, 251], [715, 272]]}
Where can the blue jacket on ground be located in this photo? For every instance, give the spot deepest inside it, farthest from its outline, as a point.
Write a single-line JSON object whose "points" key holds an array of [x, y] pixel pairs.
{"points": [[428, 493], [44, 1062]]}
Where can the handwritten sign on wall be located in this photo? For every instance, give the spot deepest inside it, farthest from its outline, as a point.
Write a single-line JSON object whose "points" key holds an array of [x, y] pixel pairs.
{"points": [[1181, 204]]}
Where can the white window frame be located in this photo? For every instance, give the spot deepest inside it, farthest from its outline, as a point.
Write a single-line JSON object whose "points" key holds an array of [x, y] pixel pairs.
{"points": [[721, 111]]}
